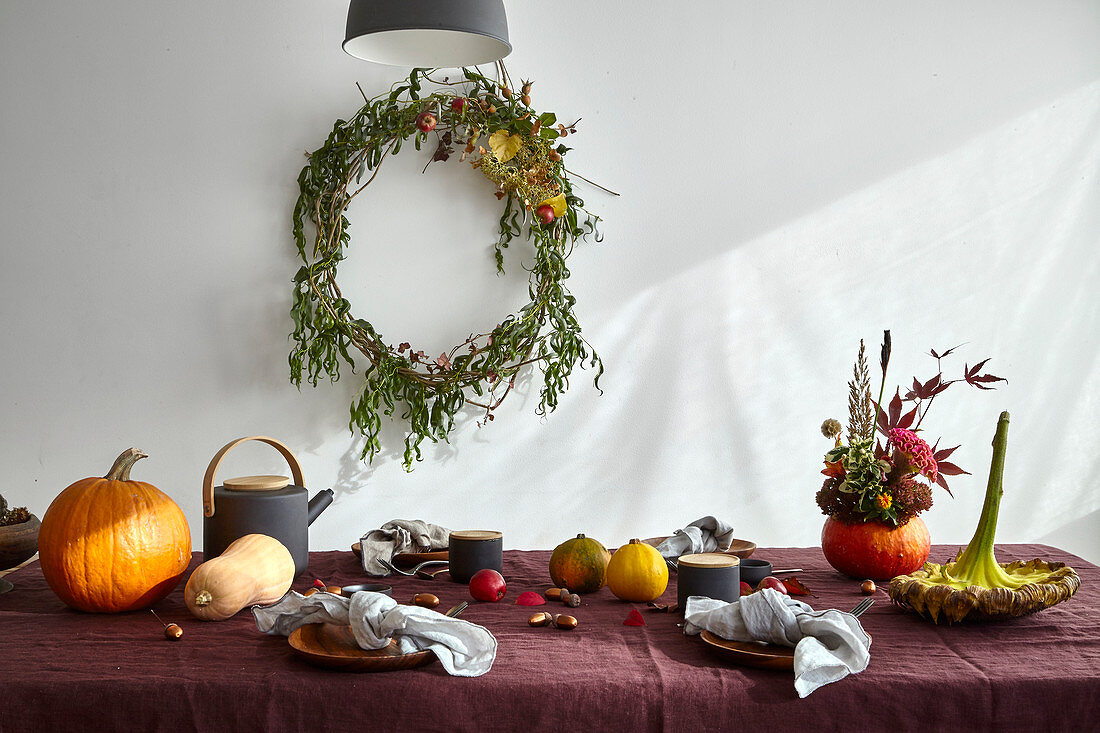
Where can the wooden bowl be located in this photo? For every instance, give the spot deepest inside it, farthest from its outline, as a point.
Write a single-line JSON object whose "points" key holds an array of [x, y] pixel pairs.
{"points": [[740, 548], [18, 542]]}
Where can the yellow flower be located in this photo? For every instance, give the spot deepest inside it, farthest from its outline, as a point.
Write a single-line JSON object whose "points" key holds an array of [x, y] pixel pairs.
{"points": [[884, 501], [557, 203]]}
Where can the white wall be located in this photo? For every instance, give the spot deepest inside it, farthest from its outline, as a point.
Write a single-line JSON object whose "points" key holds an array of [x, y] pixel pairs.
{"points": [[794, 176]]}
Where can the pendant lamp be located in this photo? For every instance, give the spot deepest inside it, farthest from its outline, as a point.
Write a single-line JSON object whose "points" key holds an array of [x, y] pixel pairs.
{"points": [[427, 33]]}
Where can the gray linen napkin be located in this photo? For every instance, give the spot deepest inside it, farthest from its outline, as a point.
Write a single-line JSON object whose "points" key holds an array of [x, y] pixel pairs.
{"points": [[828, 645], [703, 535], [465, 649], [399, 535]]}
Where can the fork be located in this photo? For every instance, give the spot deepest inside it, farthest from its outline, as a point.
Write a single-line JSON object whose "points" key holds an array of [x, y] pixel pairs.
{"points": [[415, 570], [861, 607], [455, 610]]}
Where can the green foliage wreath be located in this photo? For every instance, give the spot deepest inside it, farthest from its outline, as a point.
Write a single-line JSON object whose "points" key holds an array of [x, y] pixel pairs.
{"points": [[517, 148]]}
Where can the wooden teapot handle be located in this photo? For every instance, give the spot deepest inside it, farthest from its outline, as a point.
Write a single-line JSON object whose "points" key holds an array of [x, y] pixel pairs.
{"points": [[212, 469]]}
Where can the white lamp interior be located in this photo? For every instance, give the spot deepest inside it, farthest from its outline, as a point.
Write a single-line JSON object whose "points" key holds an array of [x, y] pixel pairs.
{"points": [[426, 47]]}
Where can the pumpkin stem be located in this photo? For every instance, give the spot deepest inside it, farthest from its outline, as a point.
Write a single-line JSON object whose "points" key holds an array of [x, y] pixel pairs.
{"points": [[203, 598], [120, 471]]}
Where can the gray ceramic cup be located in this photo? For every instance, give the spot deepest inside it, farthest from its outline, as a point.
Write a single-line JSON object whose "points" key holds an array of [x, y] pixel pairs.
{"points": [[471, 550], [711, 574], [753, 570]]}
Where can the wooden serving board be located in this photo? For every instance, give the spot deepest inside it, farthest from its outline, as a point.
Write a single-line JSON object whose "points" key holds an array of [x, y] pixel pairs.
{"points": [[751, 653], [334, 647]]}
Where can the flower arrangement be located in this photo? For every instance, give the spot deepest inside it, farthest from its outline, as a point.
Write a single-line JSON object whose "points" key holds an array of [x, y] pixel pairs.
{"points": [[891, 482]]}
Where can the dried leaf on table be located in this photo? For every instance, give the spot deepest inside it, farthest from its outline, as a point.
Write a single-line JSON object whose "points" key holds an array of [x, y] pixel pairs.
{"points": [[795, 586], [634, 619]]}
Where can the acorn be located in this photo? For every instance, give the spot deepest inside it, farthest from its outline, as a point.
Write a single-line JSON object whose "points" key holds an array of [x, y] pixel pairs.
{"points": [[567, 623], [172, 632], [540, 619], [426, 600]]}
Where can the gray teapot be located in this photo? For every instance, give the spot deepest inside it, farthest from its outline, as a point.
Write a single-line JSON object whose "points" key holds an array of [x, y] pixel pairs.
{"points": [[260, 505]]}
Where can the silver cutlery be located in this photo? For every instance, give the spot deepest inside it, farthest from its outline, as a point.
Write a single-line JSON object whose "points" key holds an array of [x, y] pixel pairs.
{"points": [[862, 606], [455, 610], [416, 570]]}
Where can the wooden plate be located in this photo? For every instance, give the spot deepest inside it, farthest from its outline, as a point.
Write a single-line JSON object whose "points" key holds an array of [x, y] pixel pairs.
{"points": [[751, 653], [407, 558], [328, 645], [740, 548]]}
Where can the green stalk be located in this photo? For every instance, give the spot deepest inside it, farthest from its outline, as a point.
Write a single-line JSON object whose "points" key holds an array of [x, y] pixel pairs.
{"points": [[977, 565]]}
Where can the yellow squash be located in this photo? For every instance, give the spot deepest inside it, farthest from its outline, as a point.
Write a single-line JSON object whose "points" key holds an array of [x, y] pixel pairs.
{"points": [[637, 572]]}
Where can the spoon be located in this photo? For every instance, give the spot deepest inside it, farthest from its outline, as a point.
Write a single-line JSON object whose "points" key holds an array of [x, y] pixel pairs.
{"points": [[415, 570]]}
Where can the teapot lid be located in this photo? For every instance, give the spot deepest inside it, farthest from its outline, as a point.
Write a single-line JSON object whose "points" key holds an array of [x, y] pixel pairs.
{"points": [[256, 483]]}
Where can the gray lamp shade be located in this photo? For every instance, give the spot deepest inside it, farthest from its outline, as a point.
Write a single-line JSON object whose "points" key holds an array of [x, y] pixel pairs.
{"points": [[427, 33]]}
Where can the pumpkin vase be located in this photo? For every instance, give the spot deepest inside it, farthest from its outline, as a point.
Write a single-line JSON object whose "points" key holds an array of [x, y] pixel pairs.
{"points": [[875, 550]]}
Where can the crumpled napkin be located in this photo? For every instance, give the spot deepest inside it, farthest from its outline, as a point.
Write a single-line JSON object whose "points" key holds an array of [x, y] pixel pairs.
{"points": [[399, 535], [465, 649], [828, 645], [703, 535]]}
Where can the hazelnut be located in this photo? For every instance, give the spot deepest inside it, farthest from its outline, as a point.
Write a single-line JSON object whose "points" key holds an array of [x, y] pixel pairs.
{"points": [[311, 591], [334, 589], [173, 632], [572, 600], [540, 619], [427, 600], [868, 587], [553, 594], [565, 622]]}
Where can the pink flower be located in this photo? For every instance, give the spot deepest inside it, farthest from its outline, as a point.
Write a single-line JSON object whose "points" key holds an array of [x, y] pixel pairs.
{"points": [[916, 450]]}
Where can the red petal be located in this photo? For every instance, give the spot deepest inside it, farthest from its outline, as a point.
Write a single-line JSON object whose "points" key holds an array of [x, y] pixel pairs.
{"points": [[530, 598], [634, 619]]}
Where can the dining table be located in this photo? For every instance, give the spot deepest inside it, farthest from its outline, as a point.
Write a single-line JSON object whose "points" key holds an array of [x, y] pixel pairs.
{"points": [[68, 670]]}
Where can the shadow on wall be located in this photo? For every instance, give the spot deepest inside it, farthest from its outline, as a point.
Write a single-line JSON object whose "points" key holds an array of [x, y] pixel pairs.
{"points": [[1078, 536], [719, 376]]}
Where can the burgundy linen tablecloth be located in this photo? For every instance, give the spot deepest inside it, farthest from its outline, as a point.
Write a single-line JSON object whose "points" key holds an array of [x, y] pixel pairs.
{"points": [[63, 670]]}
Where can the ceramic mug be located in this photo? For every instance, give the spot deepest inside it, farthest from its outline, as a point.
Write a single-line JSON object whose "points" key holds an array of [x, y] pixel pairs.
{"points": [[471, 550], [709, 574]]}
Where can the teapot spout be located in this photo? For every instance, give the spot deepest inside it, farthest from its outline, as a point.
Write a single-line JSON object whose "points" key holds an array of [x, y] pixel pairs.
{"points": [[319, 503]]}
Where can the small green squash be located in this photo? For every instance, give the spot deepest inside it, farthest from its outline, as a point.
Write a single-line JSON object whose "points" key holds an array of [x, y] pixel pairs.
{"points": [[580, 564]]}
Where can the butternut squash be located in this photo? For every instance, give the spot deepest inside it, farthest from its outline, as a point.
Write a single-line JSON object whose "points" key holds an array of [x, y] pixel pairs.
{"points": [[254, 569]]}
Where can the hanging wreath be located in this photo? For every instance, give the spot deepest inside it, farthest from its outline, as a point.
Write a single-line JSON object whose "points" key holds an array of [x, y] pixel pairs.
{"points": [[520, 150]]}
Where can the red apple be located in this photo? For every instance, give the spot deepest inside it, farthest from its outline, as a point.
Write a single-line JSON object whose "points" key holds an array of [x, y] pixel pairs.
{"points": [[488, 585], [459, 104], [774, 583], [545, 213], [746, 589], [425, 121]]}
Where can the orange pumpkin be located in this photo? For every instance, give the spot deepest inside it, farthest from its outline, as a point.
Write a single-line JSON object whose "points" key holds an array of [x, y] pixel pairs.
{"points": [[875, 550], [111, 544], [579, 564]]}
